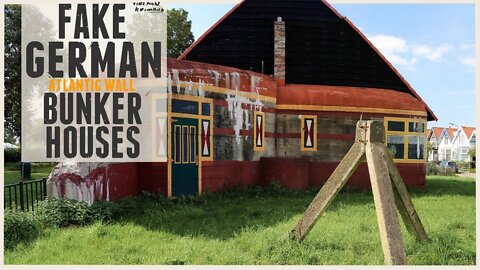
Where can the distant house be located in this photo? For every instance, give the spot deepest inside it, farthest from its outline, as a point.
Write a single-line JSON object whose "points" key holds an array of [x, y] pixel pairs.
{"points": [[434, 139], [464, 139], [451, 144]]}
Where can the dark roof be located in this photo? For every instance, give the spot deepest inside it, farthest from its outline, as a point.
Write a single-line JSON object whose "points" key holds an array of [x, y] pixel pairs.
{"points": [[322, 47]]}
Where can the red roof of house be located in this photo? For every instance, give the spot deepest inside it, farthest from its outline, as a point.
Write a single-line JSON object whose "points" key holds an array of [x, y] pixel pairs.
{"points": [[468, 131], [343, 96], [437, 131], [451, 132]]}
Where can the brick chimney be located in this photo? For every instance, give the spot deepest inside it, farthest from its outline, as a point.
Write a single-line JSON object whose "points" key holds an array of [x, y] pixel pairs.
{"points": [[279, 51]]}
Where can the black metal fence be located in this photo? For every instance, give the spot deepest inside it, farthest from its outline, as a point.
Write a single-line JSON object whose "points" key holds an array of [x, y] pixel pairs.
{"points": [[25, 195]]}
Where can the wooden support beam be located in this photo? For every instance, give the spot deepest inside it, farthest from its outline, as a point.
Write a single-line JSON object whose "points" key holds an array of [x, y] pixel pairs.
{"points": [[387, 187], [329, 190], [390, 234], [404, 202]]}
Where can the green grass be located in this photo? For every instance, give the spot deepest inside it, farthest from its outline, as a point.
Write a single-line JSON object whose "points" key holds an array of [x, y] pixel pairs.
{"points": [[253, 227], [12, 171], [12, 175]]}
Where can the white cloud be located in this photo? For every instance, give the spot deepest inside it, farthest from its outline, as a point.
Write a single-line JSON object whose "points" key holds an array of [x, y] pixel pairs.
{"points": [[392, 47], [399, 52], [466, 46], [468, 61], [435, 54], [389, 44]]}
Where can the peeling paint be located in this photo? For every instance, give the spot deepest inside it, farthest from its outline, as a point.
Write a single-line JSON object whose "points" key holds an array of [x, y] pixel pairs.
{"points": [[200, 88], [176, 78], [77, 181], [238, 114], [254, 80], [227, 80], [190, 87], [235, 80], [169, 83], [216, 76]]}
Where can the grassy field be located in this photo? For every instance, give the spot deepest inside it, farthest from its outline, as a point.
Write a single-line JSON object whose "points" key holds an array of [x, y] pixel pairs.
{"points": [[12, 171], [12, 175], [252, 228]]}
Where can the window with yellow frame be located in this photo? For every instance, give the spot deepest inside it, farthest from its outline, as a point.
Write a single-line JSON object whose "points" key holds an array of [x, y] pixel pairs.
{"points": [[406, 138]]}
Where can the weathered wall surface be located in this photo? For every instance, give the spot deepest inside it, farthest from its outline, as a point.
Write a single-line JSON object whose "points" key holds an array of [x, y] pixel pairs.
{"points": [[90, 182], [335, 136]]}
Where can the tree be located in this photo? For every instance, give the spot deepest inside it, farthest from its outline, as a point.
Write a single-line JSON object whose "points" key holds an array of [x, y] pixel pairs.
{"points": [[13, 76], [472, 153], [144, 27], [429, 149], [41, 28], [179, 30]]}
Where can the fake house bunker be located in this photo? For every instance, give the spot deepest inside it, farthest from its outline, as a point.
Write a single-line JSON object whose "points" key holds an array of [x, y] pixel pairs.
{"points": [[271, 92]]}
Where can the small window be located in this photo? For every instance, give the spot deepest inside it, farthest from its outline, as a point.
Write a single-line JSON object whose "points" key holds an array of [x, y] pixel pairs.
{"points": [[193, 146], [396, 126], [416, 146], [185, 144], [406, 138], [416, 127], [396, 146], [177, 145]]}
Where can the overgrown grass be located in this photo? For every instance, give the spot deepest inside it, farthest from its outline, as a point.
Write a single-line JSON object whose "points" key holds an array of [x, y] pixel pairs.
{"points": [[252, 227]]}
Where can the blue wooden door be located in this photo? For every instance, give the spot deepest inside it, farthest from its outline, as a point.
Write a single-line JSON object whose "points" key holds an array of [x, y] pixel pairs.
{"points": [[184, 156]]}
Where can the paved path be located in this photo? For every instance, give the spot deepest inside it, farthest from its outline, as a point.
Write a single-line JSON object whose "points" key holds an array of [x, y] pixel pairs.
{"points": [[466, 174]]}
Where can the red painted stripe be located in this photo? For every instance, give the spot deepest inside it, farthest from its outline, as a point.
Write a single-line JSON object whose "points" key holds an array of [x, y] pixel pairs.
{"points": [[340, 137], [287, 135], [229, 131], [243, 132], [270, 134]]}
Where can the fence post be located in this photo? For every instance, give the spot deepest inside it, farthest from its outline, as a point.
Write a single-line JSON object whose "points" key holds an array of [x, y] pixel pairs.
{"points": [[44, 186], [21, 194]]}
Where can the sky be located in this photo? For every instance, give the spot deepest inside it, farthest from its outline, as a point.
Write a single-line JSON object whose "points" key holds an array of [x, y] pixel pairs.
{"points": [[431, 45]]}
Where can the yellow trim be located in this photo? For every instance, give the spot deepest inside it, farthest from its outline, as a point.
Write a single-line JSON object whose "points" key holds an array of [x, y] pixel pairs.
{"points": [[302, 136], [193, 145], [177, 159], [185, 115], [348, 109], [220, 90], [200, 140], [409, 161], [187, 145], [255, 147], [405, 135], [154, 116], [169, 142]]}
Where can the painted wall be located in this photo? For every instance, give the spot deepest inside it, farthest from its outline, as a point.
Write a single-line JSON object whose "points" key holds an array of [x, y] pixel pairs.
{"points": [[237, 97]]}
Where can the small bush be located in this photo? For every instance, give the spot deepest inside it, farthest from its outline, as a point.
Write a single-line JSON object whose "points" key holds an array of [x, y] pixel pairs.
{"points": [[20, 226], [104, 211], [463, 165], [62, 212], [12, 154], [434, 169]]}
